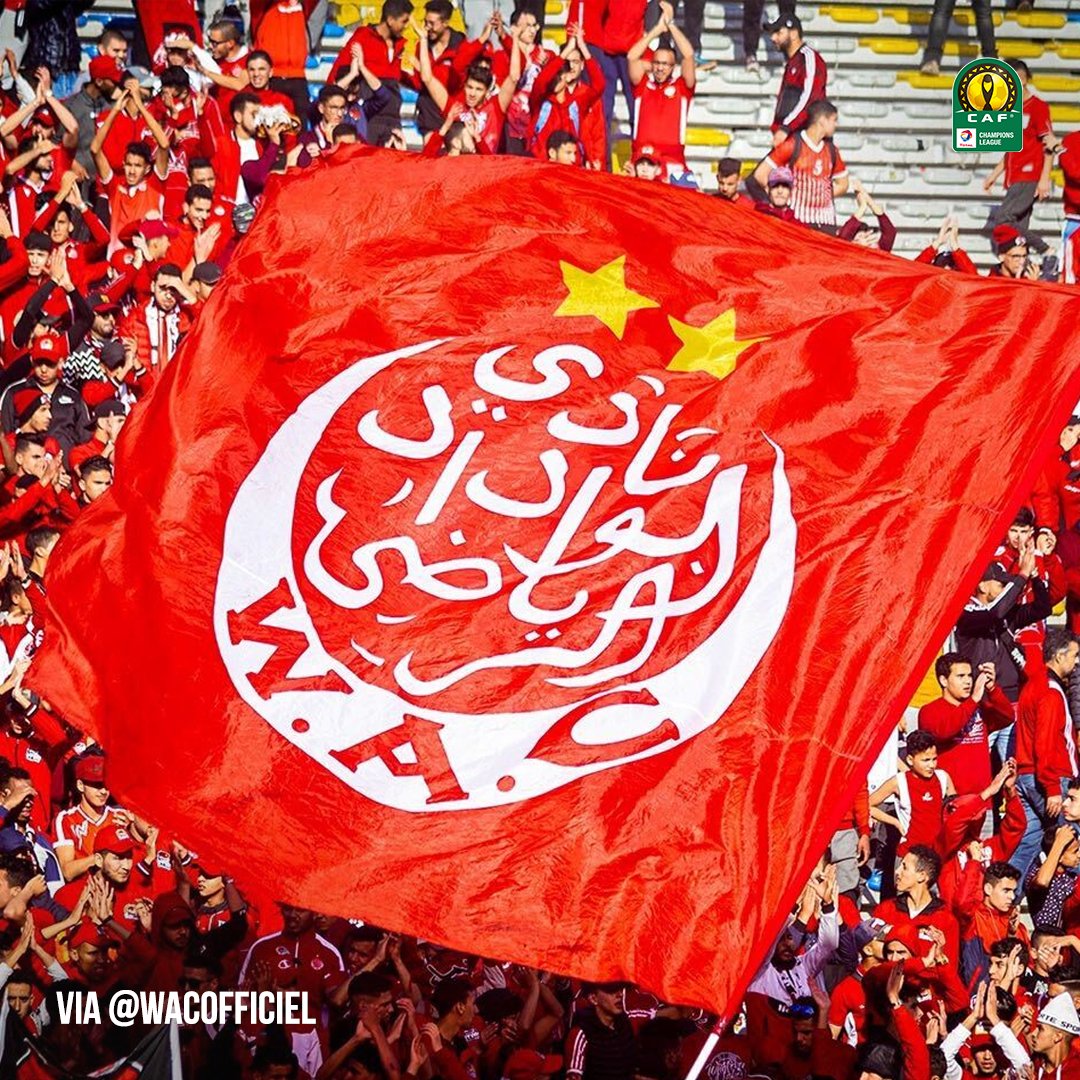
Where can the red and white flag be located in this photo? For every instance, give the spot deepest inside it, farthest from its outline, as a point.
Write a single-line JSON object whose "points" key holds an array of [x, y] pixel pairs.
{"points": [[532, 560]]}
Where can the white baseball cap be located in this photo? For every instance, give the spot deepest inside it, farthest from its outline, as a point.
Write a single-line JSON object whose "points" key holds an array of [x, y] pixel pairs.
{"points": [[1060, 1012]]}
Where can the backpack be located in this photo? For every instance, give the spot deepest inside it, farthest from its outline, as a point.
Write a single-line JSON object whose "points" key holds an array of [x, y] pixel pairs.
{"points": [[833, 154]]}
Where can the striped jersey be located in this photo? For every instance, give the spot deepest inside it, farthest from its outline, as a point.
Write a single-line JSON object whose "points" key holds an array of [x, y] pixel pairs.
{"points": [[815, 166]]}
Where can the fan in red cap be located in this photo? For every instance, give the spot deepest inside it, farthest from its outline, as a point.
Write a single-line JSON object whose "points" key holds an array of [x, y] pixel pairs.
{"points": [[88, 953], [76, 828], [157, 234], [70, 422], [33, 415], [106, 69], [47, 347], [114, 856], [1011, 248]]}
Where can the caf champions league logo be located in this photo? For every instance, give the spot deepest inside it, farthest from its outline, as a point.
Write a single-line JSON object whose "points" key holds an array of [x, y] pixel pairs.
{"points": [[987, 107]]}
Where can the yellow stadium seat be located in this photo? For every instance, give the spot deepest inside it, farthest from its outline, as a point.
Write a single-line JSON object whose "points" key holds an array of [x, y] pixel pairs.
{"points": [[848, 13], [702, 136], [928, 690], [553, 7], [457, 21], [1058, 177], [555, 34], [347, 14], [1066, 83], [908, 16], [892, 45], [919, 81], [1039, 20], [1067, 50], [1065, 114], [1022, 50]]}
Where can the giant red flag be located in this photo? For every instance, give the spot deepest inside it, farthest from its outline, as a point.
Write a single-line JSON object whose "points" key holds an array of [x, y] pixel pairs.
{"points": [[533, 560]]}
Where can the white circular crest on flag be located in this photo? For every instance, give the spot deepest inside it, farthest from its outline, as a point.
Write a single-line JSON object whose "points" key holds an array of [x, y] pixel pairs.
{"points": [[389, 746]]}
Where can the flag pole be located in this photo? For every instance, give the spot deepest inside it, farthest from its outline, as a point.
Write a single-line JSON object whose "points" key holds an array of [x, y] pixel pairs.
{"points": [[706, 1050]]}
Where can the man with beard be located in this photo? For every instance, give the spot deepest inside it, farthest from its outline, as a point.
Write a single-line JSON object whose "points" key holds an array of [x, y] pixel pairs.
{"points": [[158, 325], [84, 364], [787, 975], [297, 958], [442, 46], [114, 853]]}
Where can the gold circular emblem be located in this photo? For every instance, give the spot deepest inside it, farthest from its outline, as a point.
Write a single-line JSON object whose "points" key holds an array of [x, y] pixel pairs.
{"points": [[986, 88]]}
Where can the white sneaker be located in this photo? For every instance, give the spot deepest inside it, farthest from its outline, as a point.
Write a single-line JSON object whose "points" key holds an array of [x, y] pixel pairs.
{"points": [[752, 65], [931, 67]]}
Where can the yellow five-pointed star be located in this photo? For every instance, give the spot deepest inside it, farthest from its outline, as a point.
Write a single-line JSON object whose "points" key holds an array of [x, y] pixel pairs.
{"points": [[602, 294], [712, 348]]}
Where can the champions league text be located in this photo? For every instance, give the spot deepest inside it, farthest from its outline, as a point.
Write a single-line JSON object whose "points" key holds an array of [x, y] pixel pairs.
{"points": [[127, 1007]]}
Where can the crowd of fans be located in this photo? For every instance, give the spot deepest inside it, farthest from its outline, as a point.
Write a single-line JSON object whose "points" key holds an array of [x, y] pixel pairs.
{"points": [[940, 932]]}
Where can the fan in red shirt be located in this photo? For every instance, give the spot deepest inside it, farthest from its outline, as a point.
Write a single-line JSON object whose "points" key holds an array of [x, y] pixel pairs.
{"points": [[1053, 1040], [198, 238], [138, 192], [661, 96], [945, 250], [27, 270], [987, 919], [32, 170], [847, 1007], [282, 34], [59, 217], [228, 67], [916, 906], [297, 958], [109, 416], [560, 99], [961, 719], [820, 175], [535, 56], [383, 44], [919, 794], [1056, 495], [1027, 170], [260, 70], [1046, 757], [476, 106]]}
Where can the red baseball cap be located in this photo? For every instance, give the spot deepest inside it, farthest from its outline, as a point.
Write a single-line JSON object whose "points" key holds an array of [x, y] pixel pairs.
{"points": [[152, 228], [96, 391], [908, 936], [121, 259], [90, 769], [47, 347], [85, 932], [528, 1064], [27, 402], [106, 67], [113, 838], [45, 115]]}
